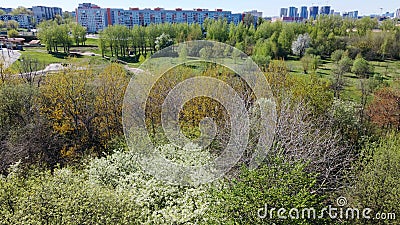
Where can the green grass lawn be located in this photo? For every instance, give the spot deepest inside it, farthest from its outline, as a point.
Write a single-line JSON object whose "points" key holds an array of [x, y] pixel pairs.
{"points": [[387, 70], [41, 54], [92, 42]]}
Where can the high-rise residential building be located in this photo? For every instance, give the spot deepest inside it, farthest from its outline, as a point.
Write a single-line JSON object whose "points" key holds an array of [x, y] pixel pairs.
{"points": [[325, 10], [313, 12], [42, 13], [398, 13], [24, 20], [92, 17], [293, 12], [304, 12], [353, 14], [284, 12], [95, 18]]}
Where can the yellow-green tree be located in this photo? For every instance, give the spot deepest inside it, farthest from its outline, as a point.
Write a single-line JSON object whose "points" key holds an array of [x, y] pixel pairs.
{"points": [[85, 107]]}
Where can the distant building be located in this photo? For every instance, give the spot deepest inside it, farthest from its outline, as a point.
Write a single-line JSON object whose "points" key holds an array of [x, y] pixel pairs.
{"points": [[389, 15], [398, 13], [92, 17], [236, 18], [291, 19], [255, 13], [313, 12], [42, 13], [284, 12], [6, 10], [353, 14], [304, 12], [73, 14], [95, 18], [325, 10], [293, 12], [23, 20]]}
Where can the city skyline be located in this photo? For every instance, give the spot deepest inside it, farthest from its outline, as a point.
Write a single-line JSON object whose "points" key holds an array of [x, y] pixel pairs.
{"points": [[269, 8]]}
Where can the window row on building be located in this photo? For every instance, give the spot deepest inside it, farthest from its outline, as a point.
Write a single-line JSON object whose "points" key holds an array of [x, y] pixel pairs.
{"points": [[24, 20], [42, 13], [95, 18]]}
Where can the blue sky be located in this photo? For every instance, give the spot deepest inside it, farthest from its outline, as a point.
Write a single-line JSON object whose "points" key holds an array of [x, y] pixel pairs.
{"points": [[269, 7]]}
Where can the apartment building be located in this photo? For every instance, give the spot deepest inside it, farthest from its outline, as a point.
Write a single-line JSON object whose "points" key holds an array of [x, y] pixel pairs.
{"points": [[23, 19], [92, 17], [95, 18], [42, 13]]}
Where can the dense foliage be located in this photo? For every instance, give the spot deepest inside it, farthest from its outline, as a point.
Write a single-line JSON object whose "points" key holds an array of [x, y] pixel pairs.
{"points": [[64, 160]]}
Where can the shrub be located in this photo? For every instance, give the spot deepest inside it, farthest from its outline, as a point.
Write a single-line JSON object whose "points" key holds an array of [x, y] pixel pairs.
{"points": [[277, 184]]}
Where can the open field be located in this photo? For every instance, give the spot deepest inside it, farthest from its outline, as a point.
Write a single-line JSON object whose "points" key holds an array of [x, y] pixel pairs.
{"points": [[44, 58], [385, 72]]}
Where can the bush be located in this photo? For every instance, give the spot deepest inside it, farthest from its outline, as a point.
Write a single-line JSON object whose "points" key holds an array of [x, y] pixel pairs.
{"points": [[277, 184], [377, 182], [111, 190]]}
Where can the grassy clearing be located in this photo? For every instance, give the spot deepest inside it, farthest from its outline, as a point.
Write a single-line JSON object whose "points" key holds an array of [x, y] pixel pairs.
{"points": [[387, 71], [41, 54], [92, 42]]}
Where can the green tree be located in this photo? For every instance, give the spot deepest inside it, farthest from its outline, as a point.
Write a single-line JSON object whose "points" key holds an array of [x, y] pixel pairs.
{"points": [[377, 181], [285, 40], [12, 33], [315, 62], [366, 24], [21, 10], [306, 63], [217, 30], [78, 33], [248, 198], [12, 25], [248, 20], [342, 65], [363, 70]]}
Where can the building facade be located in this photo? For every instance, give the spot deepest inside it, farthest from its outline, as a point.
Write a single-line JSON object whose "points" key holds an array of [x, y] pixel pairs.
{"points": [[325, 10], [398, 13], [24, 20], [95, 18], [42, 13], [304, 12], [293, 12], [254, 13], [284, 12], [6, 10], [353, 15], [92, 17], [313, 12]]}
